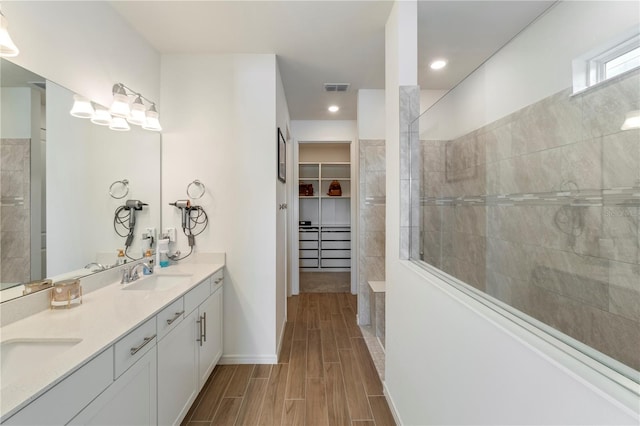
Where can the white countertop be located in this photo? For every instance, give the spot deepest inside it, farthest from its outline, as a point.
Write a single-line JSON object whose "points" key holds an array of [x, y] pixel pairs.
{"points": [[104, 316]]}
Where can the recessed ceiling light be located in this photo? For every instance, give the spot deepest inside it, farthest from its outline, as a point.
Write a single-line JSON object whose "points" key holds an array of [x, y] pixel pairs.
{"points": [[438, 64], [334, 108]]}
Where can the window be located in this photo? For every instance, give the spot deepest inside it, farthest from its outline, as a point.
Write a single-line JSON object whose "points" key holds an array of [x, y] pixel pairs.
{"points": [[611, 60]]}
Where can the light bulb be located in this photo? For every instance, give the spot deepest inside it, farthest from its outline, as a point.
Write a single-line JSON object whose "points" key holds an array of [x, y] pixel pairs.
{"points": [[119, 124], [101, 117], [120, 105], [8, 48], [438, 64], [137, 113], [81, 107], [334, 108], [152, 120]]}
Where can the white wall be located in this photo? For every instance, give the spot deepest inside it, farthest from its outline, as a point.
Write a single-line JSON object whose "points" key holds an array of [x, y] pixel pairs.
{"points": [[531, 67], [82, 45], [371, 112], [220, 127], [324, 130], [283, 251], [449, 359], [15, 113]]}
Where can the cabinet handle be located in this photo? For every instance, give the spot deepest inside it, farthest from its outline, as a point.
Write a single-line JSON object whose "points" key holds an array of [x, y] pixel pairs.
{"points": [[202, 337], [142, 345], [218, 280], [204, 319], [172, 320]]}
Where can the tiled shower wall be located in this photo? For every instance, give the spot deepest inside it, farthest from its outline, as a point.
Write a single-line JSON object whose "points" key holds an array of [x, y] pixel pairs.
{"points": [[372, 184], [540, 210], [15, 186]]}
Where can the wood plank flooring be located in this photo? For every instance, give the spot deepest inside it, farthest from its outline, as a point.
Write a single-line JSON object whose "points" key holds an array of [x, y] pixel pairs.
{"points": [[325, 375]]}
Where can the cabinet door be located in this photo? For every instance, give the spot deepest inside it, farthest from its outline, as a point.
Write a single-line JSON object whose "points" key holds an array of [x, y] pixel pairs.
{"points": [[177, 372], [130, 400], [210, 346]]}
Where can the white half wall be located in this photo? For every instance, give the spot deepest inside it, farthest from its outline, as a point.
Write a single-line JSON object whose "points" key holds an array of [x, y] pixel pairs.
{"points": [[220, 127], [15, 113]]}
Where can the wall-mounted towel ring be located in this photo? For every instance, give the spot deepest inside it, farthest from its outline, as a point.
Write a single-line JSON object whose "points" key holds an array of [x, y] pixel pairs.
{"points": [[119, 189], [195, 189]]}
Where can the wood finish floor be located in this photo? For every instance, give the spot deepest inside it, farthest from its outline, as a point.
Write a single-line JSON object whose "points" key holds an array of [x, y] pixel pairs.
{"points": [[325, 375]]}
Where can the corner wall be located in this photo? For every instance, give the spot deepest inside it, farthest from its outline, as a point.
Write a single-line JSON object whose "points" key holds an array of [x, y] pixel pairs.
{"points": [[220, 127]]}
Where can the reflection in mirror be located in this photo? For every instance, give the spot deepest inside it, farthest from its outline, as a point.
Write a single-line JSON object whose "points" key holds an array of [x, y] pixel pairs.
{"points": [[57, 209]]}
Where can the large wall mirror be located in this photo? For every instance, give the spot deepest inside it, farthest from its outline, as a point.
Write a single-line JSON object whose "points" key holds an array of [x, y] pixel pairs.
{"points": [[62, 180]]}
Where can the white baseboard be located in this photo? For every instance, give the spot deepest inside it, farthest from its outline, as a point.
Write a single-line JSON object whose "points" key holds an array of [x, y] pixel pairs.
{"points": [[392, 406], [248, 359]]}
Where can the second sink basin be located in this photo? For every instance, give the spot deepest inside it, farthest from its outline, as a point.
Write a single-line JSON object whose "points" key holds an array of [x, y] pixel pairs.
{"points": [[21, 355], [158, 282]]}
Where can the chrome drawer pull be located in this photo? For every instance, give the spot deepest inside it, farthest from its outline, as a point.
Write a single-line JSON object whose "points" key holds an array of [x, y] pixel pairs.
{"points": [[200, 323], [172, 320], [218, 280], [204, 318], [142, 345]]}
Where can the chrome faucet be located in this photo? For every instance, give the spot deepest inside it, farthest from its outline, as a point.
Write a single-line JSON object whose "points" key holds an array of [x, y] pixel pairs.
{"points": [[131, 274], [100, 266]]}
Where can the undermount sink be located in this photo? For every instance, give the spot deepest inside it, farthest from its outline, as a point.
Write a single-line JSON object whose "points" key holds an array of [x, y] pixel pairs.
{"points": [[158, 283], [19, 356]]}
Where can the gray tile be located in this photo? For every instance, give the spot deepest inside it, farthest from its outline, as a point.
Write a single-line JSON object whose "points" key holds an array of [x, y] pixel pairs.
{"points": [[625, 302], [374, 158], [621, 159], [375, 184], [374, 243]]}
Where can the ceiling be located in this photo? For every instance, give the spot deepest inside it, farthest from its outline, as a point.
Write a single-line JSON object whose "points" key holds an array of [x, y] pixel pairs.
{"points": [[326, 41]]}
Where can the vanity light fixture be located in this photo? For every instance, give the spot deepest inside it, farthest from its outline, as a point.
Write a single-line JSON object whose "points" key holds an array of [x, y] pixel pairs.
{"points": [[135, 112], [334, 108], [119, 124], [631, 120], [438, 64], [120, 105], [101, 116], [8, 48], [82, 107], [152, 122]]}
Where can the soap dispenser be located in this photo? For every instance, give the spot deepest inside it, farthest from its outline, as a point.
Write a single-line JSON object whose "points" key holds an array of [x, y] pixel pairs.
{"points": [[162, 253], [121, 259]]}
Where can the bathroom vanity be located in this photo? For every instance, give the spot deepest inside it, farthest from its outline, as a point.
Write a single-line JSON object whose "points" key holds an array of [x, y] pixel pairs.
{"points": [[136, 353]]}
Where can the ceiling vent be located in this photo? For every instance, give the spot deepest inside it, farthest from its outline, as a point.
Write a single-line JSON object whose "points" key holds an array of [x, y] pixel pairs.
{"points": [[336, 87]]}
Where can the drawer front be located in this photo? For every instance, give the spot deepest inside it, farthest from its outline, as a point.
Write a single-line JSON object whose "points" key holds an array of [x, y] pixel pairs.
{"points": [[62, 402], [306, 254], [336, 236], [169, 317], [308, 263], [307, 236], [339, 245], [336, 263], [196, 296], [336, 254], [308, 245], [131, 347], [217, 280]]}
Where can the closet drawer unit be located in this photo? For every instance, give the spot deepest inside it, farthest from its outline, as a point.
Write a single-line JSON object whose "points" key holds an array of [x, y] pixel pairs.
{"points": [[169, 317], [308, 254], [131, 347], [337, 245], [309, 236], [308, 263], [308, 245], [336, 254], [336, 263], [336, 236]]}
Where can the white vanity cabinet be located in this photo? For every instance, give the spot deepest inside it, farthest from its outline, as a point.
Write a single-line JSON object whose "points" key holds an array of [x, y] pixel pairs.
{"points": [[63, 401], [177, 371], [130, 400], [188, 353]]}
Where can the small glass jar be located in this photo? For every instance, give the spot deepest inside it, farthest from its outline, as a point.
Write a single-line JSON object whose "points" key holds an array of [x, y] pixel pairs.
{"points": [[66, 293]]}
